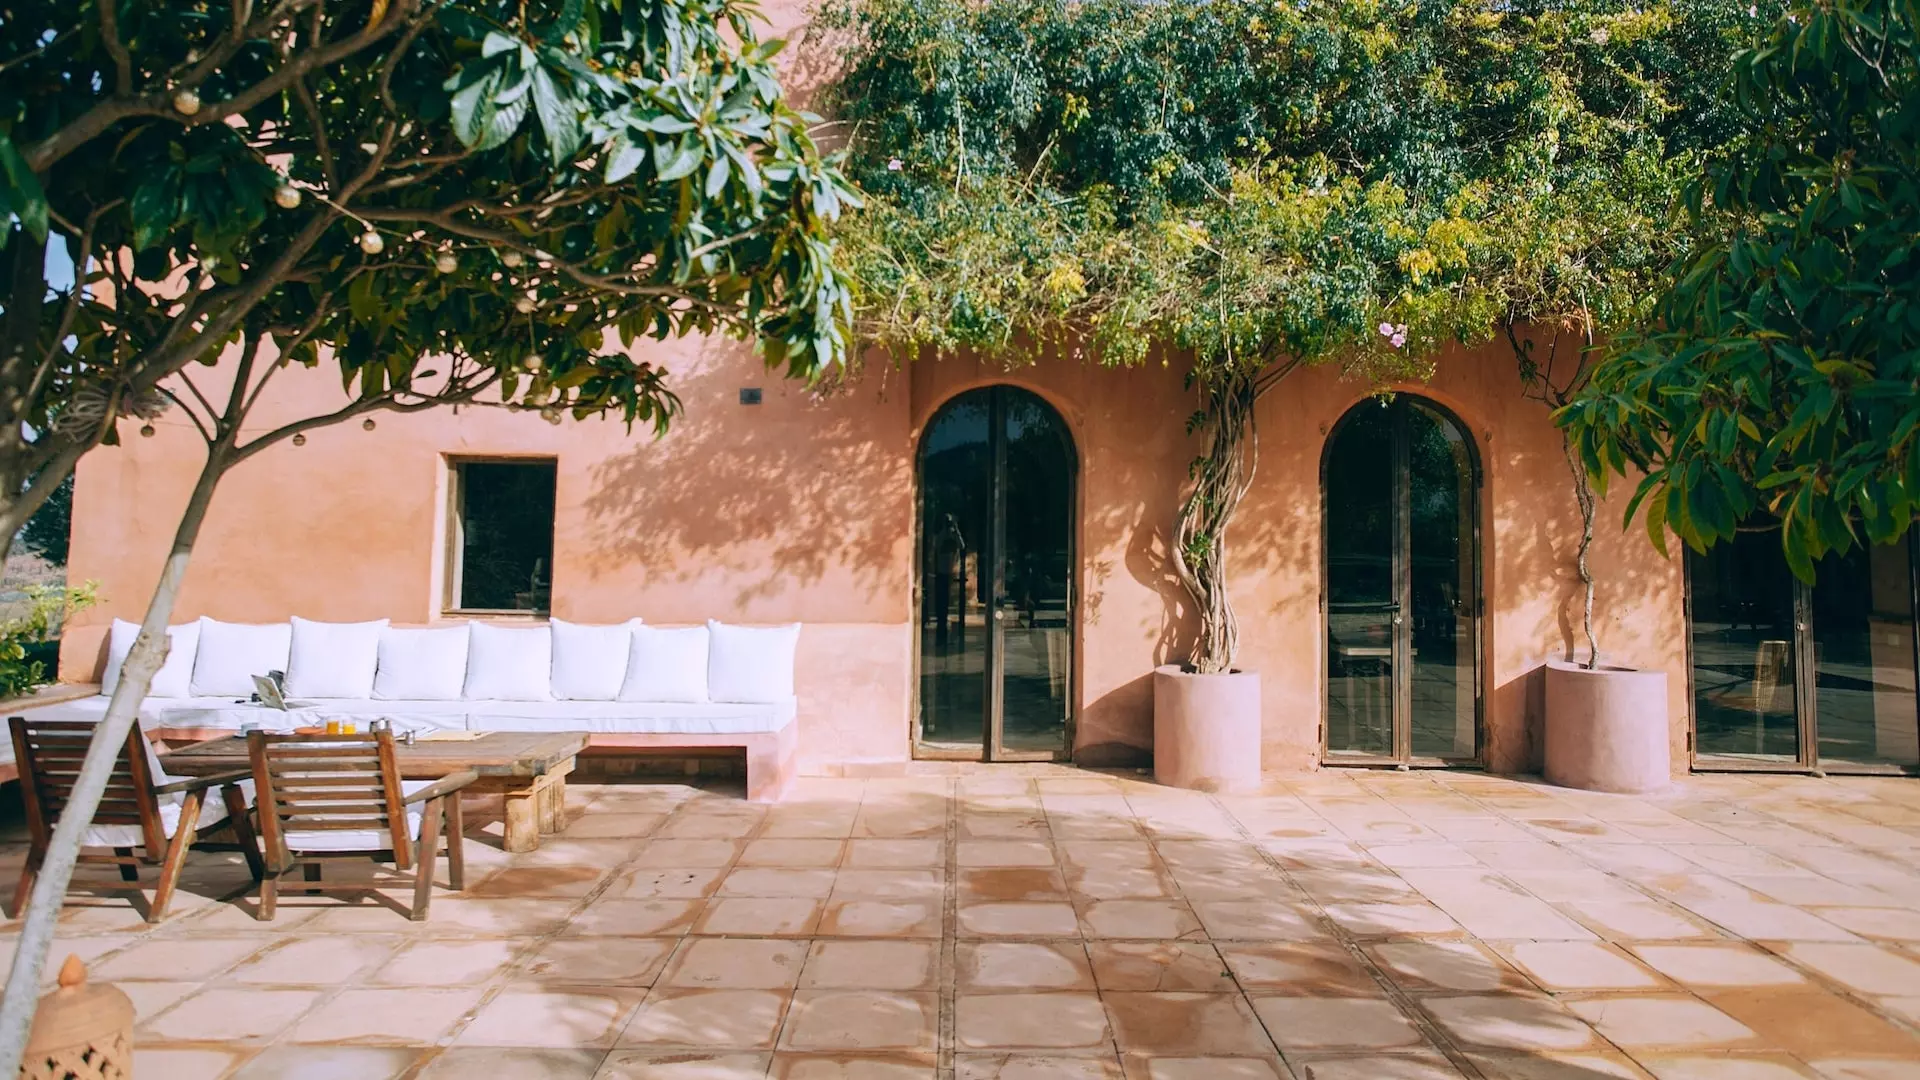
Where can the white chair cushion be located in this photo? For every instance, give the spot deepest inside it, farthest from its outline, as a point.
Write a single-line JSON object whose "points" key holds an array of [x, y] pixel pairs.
{"points": [[751, 663], [422, 665], [175, 678], [374, 839], [333, 660], [666, 665], [590, 662], [213, 811], [231, 654], [509, 663]]}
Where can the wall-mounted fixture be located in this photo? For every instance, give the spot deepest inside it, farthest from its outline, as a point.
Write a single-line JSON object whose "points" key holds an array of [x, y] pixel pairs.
{"points": [[749, 395]]}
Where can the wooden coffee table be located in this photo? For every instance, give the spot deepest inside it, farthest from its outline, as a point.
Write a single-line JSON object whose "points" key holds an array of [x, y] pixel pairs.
{"points": [[528, 768]]}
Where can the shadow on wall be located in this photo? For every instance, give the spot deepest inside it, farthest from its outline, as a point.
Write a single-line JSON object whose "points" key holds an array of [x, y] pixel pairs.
{"points": [[804, 489]]}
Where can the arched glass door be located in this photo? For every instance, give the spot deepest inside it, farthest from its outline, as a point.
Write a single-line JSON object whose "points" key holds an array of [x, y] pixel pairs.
{"points": [[1402, 587], [997, 471]]}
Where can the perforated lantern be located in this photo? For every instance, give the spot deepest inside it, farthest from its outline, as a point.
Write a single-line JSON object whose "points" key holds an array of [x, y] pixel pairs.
{"points": [[80, 1032]]}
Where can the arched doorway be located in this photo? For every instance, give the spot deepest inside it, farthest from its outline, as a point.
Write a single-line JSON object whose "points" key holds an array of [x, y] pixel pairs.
{"points": [[996, 470], [1402, 592]]}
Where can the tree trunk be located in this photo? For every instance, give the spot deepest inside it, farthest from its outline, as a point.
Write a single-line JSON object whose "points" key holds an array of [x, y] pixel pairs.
{"points": [[1583, 495], [1220, 480], [142, 664]]}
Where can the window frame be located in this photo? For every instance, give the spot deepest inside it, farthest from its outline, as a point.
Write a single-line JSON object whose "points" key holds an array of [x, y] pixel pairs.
{"points": [[454, 552]]}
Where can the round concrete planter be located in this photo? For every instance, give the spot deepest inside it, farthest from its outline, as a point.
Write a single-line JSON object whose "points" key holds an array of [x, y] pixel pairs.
{"points": [[1607, 728], [1206, 730]]}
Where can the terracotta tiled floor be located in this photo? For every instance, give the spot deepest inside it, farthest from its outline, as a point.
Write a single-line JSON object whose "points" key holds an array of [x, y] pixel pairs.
{"points": [[1032, 923]]}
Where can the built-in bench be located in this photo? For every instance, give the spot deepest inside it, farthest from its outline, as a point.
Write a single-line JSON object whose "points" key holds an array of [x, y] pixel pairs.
{"points": [[627, 686]]}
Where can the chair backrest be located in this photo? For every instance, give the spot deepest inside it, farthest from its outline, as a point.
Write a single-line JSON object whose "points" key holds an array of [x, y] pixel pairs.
{"points": [[328, 783], [50, 752]]}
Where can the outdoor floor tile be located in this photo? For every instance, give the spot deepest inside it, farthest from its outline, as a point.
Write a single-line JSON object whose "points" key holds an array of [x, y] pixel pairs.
{"points": [[636, 918], [185, 958], [707, 1019], [182, 1063], [994, 966], [1304, 970], [327, 1063], [669, 883], [314, 961], [1034, 1066], [784, 851], [1720, 964], [1019, 920], [528, 1014], [742, 964], [871, 965], [862, 1021], [1557, 1066], [222, 1015], [1510, 1022], [780, 917], [612, 961], [652, 1065], [1305, 1023], [899, 854], [1637, 1022], [1812, 1023], [409, 1015], [1159, 966], [1725, 1067], [853, 1066], [1185, 1025], [445, 963], [1580, 965], [1030, 1022], [1445, 965], [1012, 884], [1869, 969], [881, 918], [1139, 919], [1256, 920], [1203, 1068], [513, 1063]]}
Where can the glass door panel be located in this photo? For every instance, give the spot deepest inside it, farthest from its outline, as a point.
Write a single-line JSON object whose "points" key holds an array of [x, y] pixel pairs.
{"points": [[1440, 533], [997, 473], [1863, 657], [1745, 660], [1363, 593]]}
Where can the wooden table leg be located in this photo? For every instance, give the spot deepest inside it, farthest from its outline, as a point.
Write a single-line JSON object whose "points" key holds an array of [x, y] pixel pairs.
{"points": [[522, 818], [554, 820]]}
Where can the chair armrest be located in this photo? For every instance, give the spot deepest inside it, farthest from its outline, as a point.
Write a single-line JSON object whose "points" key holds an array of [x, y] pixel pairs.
{"points": [[446, 785], [201, 783]]}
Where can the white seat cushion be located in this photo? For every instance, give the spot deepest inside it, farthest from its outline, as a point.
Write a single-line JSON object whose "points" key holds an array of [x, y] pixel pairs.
{"points": [[632, 717], [175, 677], [509, 663], [590, 662], [422, 664], [377, 838], [231, 654], [751, 663], [333, 660], [667, 664]]}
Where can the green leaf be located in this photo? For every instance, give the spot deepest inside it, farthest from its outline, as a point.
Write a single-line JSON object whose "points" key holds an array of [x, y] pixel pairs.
{"points": [[20, 193], [559, 116]]}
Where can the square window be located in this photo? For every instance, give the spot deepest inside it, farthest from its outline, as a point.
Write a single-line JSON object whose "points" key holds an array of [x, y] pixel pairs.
{"points": [[500, 536]]}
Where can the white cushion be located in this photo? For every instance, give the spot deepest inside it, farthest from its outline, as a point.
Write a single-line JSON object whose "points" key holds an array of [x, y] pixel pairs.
{"points": [[175, 678], [751, 663], [590, 662], [378, 838], [333, 660], [422, 665], [231, 654], [213, 811], [666, 665], [509, 663], [631, 717]]}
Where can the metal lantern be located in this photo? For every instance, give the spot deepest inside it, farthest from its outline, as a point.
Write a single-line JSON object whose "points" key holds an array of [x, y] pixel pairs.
{"points": [[80, 1032]]}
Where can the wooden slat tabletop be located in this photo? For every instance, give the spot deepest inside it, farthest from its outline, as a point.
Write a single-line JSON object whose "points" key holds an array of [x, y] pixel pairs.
{"points": [[496, 753]]}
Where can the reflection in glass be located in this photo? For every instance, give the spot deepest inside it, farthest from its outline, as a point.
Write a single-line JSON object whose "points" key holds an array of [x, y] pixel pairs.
{"points": [[1863, 657], [1440, 561], [1744, 673], [962, 562], [1361, 594]]}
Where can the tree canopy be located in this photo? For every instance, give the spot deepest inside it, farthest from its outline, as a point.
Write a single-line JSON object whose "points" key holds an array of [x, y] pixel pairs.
{"points": [[1780, 380], [1343, 180]]}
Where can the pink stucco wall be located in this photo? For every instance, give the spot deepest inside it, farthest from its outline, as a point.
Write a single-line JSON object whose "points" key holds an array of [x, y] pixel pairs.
{"points": [[803, 508]]}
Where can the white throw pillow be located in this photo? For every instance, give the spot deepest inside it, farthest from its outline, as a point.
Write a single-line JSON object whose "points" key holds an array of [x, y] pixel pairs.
{"points": [[666, 665], [333, 660], [231, 654], [175, 677], [422, 665], [590, 662], [751, 664], [509, 663]]}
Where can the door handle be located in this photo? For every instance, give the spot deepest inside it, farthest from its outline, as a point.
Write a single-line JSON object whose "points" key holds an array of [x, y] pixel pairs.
{"points": [[1396, 618]]}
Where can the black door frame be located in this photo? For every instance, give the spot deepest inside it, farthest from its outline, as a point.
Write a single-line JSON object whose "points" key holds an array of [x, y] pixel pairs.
{"points": [[1401, 655], [1806, 689], [993, 701]]}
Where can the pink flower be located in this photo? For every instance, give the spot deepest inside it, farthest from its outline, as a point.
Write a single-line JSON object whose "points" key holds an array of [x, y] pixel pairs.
{"points": [[1399, 340], [895, 164], [1386, 329]]}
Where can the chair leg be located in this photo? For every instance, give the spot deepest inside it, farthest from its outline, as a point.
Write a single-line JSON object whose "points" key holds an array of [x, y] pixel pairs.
{"points": [[29, 873], [237, 816], [311, 872], [128, 871], [427, 853], [269, 894], [176, 856], [456, 844]]}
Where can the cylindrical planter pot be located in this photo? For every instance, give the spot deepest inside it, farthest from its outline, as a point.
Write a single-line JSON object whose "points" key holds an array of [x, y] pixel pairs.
{"points": [[1206, 730], [1606, 728]]}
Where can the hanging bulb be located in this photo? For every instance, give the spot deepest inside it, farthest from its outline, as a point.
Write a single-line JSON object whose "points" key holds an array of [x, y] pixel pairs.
{"points": [[533, 363], [550, 414], [512, 259], [186, 102], [371, 243], [367, 424], [445, 262], [146, 431], [523, 304], [299, 440], [286, 196]]}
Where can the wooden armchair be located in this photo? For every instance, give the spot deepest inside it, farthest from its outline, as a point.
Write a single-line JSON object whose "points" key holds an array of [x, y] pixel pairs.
{"points": [[142, 807], [340, 797]]}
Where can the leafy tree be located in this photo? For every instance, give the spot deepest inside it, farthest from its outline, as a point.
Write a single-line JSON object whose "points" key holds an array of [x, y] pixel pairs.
{"points": [[1782, 375], [1266, 185], [49, 531], [482, 202]]}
